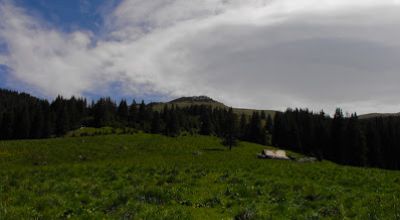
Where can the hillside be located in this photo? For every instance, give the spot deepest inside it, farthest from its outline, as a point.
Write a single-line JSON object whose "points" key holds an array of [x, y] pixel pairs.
{"points": [[375, 115], [145, 176], [204, 100]]}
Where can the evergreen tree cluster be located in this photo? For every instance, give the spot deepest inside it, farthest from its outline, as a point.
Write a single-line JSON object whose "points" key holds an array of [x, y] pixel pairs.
{"points": [[23, 116], [343, 139]]}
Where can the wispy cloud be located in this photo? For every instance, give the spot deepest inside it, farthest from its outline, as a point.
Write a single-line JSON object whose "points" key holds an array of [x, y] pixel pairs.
{"points": [[254, 53]]}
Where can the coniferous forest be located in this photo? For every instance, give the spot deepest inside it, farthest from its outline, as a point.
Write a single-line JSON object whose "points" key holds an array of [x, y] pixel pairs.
{"points": [[373, 142]]}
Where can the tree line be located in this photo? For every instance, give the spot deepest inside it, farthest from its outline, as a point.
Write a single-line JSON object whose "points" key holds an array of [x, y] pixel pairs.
{"points": [[373, 142], [348, 140], [25, 117]]}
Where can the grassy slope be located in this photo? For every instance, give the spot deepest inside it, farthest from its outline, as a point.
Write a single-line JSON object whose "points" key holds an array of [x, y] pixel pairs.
{"points": [[154, 177]]}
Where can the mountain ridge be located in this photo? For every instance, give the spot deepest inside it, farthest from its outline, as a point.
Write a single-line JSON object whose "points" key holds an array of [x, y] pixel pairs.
{"points": [[205, 100], [377, 115]]}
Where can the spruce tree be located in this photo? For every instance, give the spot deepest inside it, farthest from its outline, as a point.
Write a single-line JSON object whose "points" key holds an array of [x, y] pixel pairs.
{"points": [[255, 132], [62, 121], [38, 124], [205, 123], [336, 149], [9, 124], [356, 143], [133, 111], [230, 130], [23, 123], [123, 112], [142, 114], [172, 126], [242, 126], [156, 123], [269, 124]]}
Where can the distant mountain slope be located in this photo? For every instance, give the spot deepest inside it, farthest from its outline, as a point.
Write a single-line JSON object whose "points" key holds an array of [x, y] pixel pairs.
{"points": [[377, 115], [194, 99], [204, 100]]}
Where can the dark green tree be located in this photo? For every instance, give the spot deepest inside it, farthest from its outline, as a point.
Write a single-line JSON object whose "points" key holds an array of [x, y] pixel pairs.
{"points": [[62, 121], [269, 124], [230, 130], [243, 126], [23, 123], [156, 123], [8, 125], [206, 127], [133, 112], [172, 127], [256, 132], [37, 127], [123, 112], [356, 143], [336, 149]]}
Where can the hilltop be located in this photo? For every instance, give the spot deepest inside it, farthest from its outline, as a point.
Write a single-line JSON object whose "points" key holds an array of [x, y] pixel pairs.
{"points": [[205, 100], [195, 100], [377, 115]]}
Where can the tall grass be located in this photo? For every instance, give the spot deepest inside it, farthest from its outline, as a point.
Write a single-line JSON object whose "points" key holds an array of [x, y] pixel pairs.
{"points": [[143, 176]]}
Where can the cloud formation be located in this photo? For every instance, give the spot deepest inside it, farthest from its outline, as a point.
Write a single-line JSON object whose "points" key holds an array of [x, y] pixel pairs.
{"points": [[253, 53]]}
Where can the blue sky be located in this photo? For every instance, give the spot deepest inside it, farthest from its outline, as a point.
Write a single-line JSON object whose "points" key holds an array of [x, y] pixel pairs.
{"points": [[69, 15], [66, 16], [264, 54]]}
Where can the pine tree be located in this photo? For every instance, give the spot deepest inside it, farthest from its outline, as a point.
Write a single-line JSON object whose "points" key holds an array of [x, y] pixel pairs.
{"points": [[242, 126], [355, 140], [336, 149], [1, 126], [123, 112], [8, 125], [23, 123], [255, 132], [230, 130], [278, 130], [38, 124], [269, 124], [322, 137], [62, 121], [142, 114], [104, 113], [156, 123], [206, 127], [172, 126], [48, 125], [374, 145], [133, 111]]}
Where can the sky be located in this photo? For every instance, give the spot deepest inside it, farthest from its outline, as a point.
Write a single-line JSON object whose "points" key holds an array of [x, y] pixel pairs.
{"points": [[263, 54]]}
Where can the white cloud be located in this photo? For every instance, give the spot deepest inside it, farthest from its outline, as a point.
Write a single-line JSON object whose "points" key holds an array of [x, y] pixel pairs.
{"points": [[253, 53]]}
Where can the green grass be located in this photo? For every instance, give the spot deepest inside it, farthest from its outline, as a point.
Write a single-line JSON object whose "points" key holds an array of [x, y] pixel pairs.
{"points": [[88, 131], [143, 176]]}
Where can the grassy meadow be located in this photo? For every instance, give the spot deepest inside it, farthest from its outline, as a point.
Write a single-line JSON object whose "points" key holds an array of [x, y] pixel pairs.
{"points": [[143, 176]]}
